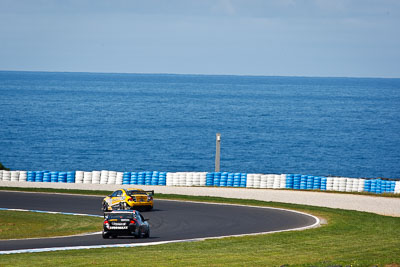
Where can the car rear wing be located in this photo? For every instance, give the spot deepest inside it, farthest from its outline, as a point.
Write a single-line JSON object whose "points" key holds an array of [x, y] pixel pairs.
{"points": [[141, 192], [150, 192]]}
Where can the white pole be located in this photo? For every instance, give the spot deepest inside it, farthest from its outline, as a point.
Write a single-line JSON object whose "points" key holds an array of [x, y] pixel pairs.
{"points": [[218, 152]]}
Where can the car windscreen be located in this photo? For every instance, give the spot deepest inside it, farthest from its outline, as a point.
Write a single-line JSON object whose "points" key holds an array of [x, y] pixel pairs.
{"points": [[135, 192], [121, 216]]}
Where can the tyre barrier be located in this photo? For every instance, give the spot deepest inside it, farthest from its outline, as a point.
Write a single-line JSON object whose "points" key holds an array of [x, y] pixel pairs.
{"points": [[216, 179]]}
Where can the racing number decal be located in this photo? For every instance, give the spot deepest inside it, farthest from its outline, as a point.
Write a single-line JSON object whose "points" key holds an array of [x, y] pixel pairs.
{"points": [[117, 199]]}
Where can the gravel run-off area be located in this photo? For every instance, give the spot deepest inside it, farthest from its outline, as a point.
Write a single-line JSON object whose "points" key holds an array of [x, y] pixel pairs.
{"points": [[389, 206]]}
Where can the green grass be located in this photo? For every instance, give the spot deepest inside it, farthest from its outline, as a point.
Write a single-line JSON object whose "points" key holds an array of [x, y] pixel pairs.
{"points": [[54, 190], [350, 238], [24, 224], [106, 192]]}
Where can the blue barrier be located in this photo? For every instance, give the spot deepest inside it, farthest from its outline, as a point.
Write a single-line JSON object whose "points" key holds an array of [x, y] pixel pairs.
{"points": [[62, 177], [367, 185], [148, 176], [317, 183], [134, 178], [154, 178], [323, 183], [289, 181], [243, 179], [70, 177], [209, 179], [39, 176], [303, 182], [310, 182], [296, 181], [236, 179], [373, 186], [230, 179], [217, 178], [54, 177], [126, 178], [141, 178], [162, 179], [392, 186], [47, 177], [30, 176], [224, 179]]}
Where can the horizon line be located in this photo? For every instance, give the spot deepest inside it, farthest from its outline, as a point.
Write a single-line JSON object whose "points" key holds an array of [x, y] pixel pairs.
{"points": [[203, 74]]}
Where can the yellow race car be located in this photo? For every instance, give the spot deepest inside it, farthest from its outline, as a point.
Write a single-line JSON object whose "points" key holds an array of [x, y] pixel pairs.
{"points": [[131, 198]]}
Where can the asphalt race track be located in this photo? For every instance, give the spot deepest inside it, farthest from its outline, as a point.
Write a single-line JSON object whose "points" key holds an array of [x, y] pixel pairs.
{"points": [[169, 220]]}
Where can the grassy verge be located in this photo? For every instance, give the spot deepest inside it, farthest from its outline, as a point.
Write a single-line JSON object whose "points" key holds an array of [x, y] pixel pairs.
{"points": [[55, 190], [350, 238], [106, 192], [23, 224]]}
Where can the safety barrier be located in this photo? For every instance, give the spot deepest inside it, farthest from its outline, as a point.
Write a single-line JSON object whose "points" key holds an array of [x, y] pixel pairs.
{"points": [[216, 179]]}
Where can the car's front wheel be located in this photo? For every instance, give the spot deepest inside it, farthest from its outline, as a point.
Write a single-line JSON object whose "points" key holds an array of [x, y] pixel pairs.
{"points": [[139, 234], [147, 235], [105, 235]]}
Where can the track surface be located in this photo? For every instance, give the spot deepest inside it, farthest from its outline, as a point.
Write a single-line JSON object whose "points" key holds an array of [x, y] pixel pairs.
{"points": [[169, 220]]}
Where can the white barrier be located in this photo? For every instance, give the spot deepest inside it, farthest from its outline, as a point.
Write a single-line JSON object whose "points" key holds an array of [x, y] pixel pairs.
{"points": [[283, 181], [22, 176], [329, 183], [361, 185], [397, 188], [348, 185], [257, 180], [189, 179], [342, 184], [186, 178], [250, 180], [104, 177], [119, 178], [263, 181], [170, 177], [112, 177], [277, 182], [14, 176], [336, 181], [87, 177], [79, 177], [96, 176], [203, 176], [6, 176]]}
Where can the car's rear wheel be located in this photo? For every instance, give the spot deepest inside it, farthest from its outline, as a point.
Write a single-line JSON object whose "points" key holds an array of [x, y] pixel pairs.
{"points": [[122, 206], [105, 206]]}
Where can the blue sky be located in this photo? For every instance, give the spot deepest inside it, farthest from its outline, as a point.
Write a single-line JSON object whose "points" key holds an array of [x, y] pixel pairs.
{"points": [[343, 38]]}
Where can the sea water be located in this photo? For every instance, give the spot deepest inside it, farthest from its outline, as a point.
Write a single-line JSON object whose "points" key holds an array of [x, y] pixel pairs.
{"points": [[132, 122]]}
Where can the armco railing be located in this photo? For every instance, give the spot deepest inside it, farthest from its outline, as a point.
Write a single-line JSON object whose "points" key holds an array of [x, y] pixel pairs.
{"points": [[219, 179]]}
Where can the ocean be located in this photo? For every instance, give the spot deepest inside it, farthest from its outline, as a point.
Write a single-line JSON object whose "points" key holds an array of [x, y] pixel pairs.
{"points": [[134, 122]]}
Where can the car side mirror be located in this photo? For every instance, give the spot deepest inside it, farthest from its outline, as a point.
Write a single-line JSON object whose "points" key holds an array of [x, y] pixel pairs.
{"points": [[146, 219]]}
